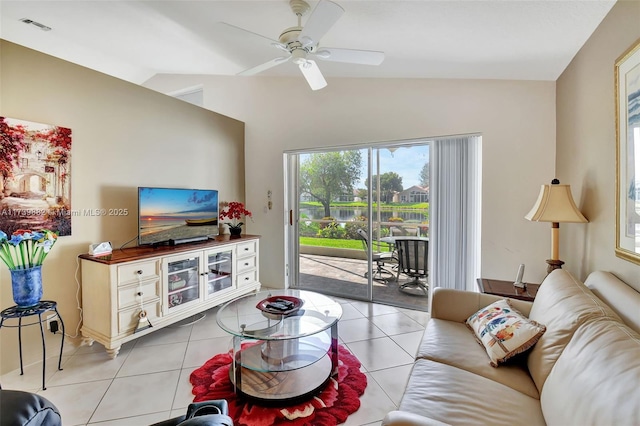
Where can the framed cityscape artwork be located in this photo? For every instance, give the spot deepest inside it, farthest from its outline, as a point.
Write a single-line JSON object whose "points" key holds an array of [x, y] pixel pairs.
{"points": [[35, 176], [627, 86]]}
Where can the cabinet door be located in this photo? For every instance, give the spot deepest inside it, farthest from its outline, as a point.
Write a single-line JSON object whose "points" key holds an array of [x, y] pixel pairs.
{"points": [[218, 271], [181, 281]]}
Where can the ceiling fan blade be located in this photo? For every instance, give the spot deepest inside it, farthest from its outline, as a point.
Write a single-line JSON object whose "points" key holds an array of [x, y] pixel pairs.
{"points": [[352, 56], [312, 74], [238, 33], [323, 17], [263, 67]]}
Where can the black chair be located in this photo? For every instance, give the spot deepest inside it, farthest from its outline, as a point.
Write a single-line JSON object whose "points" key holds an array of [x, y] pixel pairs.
{"points": [[381, 258], [413, 260], [206, 413], [18, 408], [25, 408]]}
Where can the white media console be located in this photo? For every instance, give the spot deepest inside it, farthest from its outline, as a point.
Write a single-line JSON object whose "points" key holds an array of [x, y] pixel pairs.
{"points": [[136, 291]]}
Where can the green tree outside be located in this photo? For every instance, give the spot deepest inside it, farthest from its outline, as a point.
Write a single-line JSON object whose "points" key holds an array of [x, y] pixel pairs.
{"points": [[326, 176], [424, 175], [390, 182]]}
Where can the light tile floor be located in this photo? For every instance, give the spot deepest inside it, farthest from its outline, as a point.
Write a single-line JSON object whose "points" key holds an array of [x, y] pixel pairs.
{"points": [[149, 380]]}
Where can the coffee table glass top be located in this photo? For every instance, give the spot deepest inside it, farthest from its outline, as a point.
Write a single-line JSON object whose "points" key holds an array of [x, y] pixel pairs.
{"points": [[242, 317]]}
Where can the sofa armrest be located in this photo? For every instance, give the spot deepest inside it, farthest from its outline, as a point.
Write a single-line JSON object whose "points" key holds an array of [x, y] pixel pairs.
{"points": [[404, 418], [458, 305]]}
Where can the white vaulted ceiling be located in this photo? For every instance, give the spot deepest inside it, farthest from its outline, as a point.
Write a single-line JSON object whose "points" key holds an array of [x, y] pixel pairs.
{"points": [[135, 40]]}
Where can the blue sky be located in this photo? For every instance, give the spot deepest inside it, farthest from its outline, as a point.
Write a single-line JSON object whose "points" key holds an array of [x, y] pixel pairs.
{"points": [[405, 161]]}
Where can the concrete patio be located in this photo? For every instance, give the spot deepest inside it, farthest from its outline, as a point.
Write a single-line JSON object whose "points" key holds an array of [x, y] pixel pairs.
{"points": [[339, 276]]}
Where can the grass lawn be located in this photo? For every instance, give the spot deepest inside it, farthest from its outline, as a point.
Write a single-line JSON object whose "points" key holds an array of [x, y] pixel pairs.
{"points": [[337, 243]]}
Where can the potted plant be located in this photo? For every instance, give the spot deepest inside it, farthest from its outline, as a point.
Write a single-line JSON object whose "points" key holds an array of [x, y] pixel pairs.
{"points": [[234, 211], [23, 254]]}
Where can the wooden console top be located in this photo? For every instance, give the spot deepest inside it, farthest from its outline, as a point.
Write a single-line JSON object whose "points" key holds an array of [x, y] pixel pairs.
{"points": [[144, 252]]}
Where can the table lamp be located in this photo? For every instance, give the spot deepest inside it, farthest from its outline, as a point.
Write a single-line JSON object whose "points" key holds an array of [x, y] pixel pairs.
{"points": [[555, 204]]}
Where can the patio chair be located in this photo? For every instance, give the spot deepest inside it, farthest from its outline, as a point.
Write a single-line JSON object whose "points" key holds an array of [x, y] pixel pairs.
{"points": [[396, 231], [413, 261], [400, 231], [381, 258]]}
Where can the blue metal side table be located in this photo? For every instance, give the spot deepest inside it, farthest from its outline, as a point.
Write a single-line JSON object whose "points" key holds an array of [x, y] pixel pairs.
{"points": [[39, 309]]}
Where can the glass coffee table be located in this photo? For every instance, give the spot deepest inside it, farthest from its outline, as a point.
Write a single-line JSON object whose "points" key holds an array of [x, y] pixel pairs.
{"points": [[281, 354]]}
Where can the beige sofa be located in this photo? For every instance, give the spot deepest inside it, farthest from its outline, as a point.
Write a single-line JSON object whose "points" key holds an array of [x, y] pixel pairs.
{"points": [[584, 370]]}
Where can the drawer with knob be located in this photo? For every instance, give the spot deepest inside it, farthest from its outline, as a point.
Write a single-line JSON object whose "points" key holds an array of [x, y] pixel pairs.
{"points": [[131, 294], [246, 278], [245, 264], [129, 319], [138, 271], [246, 249]]}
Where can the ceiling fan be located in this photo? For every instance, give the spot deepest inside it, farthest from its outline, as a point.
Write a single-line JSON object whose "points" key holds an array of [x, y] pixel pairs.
{"points": [[299, 44]]}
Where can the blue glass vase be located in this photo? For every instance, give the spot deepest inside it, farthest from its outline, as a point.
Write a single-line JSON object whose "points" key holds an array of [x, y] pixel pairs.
{"points": [[27, 286]]}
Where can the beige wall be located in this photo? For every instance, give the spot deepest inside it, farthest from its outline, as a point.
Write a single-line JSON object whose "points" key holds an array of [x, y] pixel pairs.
{"points": [[124, 136], [516, 119], [586, 152]]}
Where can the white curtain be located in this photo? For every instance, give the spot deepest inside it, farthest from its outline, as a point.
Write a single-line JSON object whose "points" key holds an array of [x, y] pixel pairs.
{"points": [[454, 230]]}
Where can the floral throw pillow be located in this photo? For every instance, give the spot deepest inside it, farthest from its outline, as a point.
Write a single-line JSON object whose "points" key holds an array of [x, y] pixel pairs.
{"points": [[504, 331]]}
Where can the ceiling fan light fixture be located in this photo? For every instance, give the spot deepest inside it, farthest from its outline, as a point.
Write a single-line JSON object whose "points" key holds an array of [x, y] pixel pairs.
{"points": [[301, 43], [299, 56]]}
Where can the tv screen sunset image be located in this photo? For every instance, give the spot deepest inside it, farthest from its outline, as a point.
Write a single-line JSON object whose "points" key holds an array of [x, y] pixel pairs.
{"points": [[172, 214]]}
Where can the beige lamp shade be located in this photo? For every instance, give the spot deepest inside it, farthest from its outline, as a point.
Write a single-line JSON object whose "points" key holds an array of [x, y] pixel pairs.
{"points": [[555, 204]]}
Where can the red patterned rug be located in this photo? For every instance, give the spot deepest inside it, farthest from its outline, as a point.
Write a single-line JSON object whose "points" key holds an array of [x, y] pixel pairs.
{"points": [[331, 406]]}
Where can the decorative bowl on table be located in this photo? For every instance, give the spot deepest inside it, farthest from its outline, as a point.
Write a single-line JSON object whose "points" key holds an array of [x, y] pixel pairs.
{"points": [[279, 306]]}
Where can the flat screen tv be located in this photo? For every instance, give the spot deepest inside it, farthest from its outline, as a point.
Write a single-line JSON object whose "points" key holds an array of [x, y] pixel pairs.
{"points": [[174, 215]]}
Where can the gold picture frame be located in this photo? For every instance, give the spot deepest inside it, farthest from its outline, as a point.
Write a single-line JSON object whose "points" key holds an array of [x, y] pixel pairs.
{"points": [[627, 88]]}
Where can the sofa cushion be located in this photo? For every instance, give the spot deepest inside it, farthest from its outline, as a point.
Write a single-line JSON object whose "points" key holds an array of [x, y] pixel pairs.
{"points": [[562, 304], [451, 343], [504, 331], [458, 397], [595, 380]]}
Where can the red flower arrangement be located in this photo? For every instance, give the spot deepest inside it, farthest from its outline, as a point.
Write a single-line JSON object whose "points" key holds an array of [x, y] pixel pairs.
{"points": [[234, 211]]}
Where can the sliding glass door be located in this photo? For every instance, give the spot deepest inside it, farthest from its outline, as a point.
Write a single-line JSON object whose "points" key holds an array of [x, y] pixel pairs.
{"points": [[325, 216], [344, 205], [400, 209]]}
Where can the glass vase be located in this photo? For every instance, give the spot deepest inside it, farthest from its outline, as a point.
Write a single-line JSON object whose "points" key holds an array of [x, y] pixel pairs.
{"points": [[27, 286]]}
